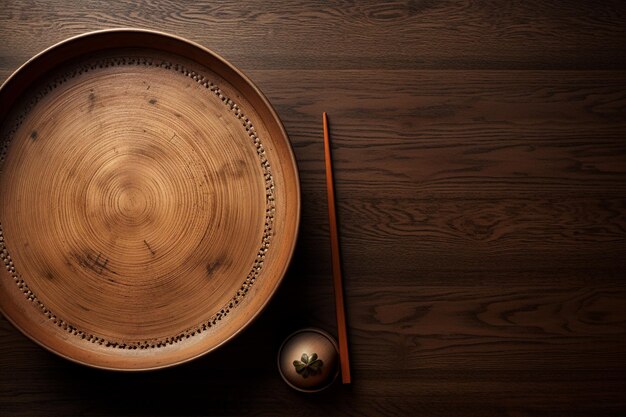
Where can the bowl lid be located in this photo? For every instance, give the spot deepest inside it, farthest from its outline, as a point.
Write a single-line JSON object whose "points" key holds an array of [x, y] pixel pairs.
{"points": [[308, 360]]}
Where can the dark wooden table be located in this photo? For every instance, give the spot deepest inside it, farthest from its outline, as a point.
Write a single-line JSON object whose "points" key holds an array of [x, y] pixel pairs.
{"points": [[480, 156]]}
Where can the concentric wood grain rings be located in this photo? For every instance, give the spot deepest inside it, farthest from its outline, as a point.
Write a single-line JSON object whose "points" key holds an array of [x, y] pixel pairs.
{"points": [[149, 200]]}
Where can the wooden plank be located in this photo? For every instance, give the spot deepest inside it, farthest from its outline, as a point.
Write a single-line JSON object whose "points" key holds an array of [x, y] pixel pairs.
{"points": [[369, 34], [461, 133]]}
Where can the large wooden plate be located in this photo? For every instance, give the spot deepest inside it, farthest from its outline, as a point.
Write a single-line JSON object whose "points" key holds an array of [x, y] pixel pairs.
{"points": [[149, 200]]}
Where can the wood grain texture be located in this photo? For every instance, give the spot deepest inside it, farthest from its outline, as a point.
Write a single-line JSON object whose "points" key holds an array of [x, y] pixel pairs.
{"points": [[139, 202], [351, 34], [479, 155]]}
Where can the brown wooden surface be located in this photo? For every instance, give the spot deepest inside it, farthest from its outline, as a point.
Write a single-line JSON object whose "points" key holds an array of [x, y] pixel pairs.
{"points": [[480, 167]]}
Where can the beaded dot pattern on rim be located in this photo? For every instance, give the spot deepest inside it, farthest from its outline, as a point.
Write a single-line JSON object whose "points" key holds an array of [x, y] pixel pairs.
{"points": [[144, 197]]}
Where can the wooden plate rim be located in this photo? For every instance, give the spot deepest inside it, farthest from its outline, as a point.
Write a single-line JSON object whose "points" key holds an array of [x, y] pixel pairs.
{"points": [[25, 71]]}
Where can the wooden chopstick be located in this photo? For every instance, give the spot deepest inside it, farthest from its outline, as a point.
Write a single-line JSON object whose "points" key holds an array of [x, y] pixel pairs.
{"points": [[336, 260]]}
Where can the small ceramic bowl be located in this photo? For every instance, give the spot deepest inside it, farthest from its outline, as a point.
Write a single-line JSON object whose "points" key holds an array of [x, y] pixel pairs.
{"points": [[308, 360]]}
